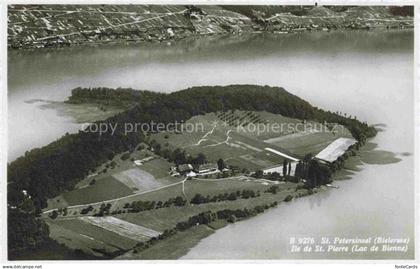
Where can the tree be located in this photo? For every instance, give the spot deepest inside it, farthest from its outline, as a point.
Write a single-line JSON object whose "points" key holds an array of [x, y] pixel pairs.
{"points": [[312, 174], [275, 176], [201, 158], [25, 230], [288, 198], [125, 156], [307, 157], [232, 196], [273, 189], [198, 199], [259, 174], [318, 174], [299, 173], [179, 201], [284, 167], [178, 156], [54, 214], [221, 164], [245, 171]]}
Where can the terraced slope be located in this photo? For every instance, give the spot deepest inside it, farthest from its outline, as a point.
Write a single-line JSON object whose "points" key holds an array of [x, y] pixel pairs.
{"points": [[36, 26]]}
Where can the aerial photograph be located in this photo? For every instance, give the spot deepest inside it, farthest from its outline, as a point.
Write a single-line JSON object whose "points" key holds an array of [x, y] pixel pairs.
{"points": [[210, 132]]}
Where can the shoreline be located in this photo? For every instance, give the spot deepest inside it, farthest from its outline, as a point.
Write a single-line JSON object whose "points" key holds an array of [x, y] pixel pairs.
{"points": [[175, 22], [123, 42], [191, 238], [179, 244]]}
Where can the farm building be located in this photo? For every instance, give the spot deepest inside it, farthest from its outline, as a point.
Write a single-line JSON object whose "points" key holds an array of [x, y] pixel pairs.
{"points": [[191, 174], [185, 168], [334, 150], [138, 162], [174, 173], [207, 168]]}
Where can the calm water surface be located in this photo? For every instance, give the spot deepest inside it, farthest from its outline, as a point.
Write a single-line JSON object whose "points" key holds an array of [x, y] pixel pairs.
{"points": [[366, 74]]}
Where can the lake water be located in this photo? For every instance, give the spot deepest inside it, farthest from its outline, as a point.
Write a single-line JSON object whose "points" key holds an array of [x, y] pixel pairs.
{"points": [[366, 74]]}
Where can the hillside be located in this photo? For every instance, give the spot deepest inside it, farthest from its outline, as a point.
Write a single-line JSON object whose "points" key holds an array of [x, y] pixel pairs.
{"points": [[37, 26]]}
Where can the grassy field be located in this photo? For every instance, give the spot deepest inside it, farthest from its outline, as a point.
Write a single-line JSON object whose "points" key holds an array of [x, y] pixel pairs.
{"points": [[304, 143], [218, 141], [220, 186], [94, 240], [137, 179], [167, 218], [173, 247], [118, 204], [97, 235], [204, 187], [104, 189], [267, 119], [178, 245], [157, 167], [107, 187]]}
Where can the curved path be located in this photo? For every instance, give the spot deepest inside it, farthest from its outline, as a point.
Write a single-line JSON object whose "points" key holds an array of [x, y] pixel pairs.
{"points": [[144, 192]]}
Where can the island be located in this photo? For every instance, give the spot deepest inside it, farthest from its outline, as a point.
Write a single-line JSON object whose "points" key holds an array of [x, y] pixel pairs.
{"points": [[166, 170]]}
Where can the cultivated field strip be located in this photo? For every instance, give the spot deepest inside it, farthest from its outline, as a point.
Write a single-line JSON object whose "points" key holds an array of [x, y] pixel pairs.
{"points": [[335, 149], [123, 228], [275, 140], [138, 180], [77, 233]]}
